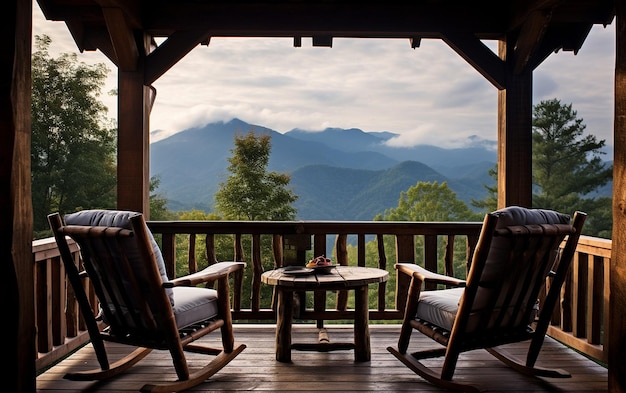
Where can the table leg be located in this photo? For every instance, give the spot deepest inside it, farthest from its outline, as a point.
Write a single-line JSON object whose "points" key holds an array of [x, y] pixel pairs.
{"points": [[284, 317], [362, 350]]}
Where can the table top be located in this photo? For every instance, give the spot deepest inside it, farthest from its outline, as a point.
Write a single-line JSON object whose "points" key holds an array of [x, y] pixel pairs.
{"points": [[336, 277]]}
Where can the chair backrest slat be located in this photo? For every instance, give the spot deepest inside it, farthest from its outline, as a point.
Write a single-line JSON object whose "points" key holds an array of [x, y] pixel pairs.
{"points": [[115, 281]]}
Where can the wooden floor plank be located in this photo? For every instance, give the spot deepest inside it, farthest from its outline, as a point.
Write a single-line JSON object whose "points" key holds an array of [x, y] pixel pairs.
{"points": [[256, 368]]}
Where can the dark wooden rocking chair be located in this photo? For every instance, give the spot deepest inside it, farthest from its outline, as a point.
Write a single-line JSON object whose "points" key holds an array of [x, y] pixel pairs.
{"points": [[140, 306], [517, 252]]}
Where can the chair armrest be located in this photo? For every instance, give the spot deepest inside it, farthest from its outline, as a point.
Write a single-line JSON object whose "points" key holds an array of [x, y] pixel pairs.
{"points": [[424, 275], [211, 273]]}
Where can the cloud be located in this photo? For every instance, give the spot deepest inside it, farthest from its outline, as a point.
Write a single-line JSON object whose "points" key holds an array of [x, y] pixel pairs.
{"points": [[427, 95]]}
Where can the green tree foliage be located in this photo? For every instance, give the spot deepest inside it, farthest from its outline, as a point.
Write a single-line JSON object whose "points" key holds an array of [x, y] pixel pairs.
{"points": [[73, 142], [429, 202], [490, 203], [158, 202], [567, 166], [251, 192], [425, 202]]}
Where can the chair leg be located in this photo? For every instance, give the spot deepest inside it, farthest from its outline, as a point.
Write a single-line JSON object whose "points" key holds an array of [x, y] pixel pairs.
{"points": [[199, 376], [115, 369], [223, 304], [409, 313]]}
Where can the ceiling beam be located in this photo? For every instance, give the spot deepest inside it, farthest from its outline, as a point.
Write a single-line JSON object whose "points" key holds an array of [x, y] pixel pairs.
{"points": [[307, 19]]}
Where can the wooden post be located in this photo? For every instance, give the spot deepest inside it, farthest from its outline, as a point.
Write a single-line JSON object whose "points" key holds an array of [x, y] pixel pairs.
{"points": [[514, 134], [617, 303], [133, 149], [16, 227], [135, 101]]}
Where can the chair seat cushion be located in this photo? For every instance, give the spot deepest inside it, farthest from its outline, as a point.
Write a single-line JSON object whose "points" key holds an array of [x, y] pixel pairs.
{"points": [[194, 304], [439, 307]]}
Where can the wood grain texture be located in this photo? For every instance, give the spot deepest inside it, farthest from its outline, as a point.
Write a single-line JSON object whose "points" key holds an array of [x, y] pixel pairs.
{"points": [[256, 368]]}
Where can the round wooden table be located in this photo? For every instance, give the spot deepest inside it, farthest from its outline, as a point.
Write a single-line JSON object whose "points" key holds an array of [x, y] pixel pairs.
{"points": [[338, 278]]}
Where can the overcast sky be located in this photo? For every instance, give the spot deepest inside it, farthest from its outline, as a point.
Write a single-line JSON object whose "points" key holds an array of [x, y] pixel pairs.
{"points": [[427, 95]]}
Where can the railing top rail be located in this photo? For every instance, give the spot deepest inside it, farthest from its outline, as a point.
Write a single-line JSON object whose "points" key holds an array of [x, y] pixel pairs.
{"points": [[317, 227]]}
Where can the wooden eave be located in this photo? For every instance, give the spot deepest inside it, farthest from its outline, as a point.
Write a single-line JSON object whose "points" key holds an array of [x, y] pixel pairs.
{"points": [[541, 27]]}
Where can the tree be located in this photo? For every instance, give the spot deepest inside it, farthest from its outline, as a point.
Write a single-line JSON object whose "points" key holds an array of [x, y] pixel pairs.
{"points": [[567, 167], [73, 143], [490, 203], [429, 202], [158, 202], [250, 192]]}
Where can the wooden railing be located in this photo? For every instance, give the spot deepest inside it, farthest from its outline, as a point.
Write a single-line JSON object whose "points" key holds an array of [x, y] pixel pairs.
{"points": [[583, 317], [441, 246]]}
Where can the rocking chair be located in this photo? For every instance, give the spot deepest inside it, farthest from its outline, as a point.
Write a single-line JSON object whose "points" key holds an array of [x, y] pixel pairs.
{"points": [[517, 253], [138, 304]]}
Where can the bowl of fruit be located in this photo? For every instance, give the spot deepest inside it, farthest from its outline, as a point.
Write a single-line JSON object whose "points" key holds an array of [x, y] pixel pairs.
{"points": [[320, 264]]}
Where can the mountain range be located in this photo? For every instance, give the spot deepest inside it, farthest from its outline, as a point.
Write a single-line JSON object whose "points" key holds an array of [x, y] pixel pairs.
{"points": [[338, 174]]}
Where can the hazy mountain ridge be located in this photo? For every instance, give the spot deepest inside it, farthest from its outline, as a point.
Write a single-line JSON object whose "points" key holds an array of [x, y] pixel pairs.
{"points": [[354, 139], [338, 174]]}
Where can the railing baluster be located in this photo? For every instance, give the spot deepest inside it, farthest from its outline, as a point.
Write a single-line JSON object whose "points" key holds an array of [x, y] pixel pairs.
{"points": [[595, 300], [168, 250], [257, 270], [43, 306], [57, 302], [448, 256], [209, 246], [71, 304], [192, 261], [382, 264], [579, 299], [430, 258], [341, 249], [405, 253], [360, 249]]}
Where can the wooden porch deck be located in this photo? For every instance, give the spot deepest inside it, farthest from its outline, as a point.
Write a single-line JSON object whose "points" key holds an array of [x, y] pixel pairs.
{"points": [[256, 368]]}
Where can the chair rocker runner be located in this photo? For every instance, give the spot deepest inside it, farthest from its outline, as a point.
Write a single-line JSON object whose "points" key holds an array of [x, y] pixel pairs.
{"points": [[139, 305], [516, 255]]}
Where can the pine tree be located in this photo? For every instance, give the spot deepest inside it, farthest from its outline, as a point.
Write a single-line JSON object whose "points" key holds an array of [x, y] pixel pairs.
{"points": [[567, 165], [251, 192]]}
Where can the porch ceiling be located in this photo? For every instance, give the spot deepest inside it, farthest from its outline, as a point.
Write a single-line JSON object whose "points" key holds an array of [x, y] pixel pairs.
{"points": [[537, 27]]}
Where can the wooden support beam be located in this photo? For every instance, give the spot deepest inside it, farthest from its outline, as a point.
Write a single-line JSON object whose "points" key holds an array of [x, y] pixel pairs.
{"points": [[514, 135], [478, 55], [133, 152], [123, 40], [617, 302], [171, 51], [16, 223], [530, 38]]}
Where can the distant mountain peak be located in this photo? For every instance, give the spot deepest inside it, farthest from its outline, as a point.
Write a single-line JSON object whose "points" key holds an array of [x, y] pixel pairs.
{"points": [[350, 162]]}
